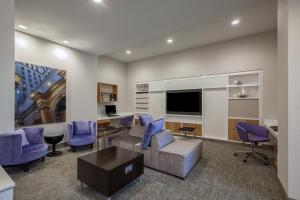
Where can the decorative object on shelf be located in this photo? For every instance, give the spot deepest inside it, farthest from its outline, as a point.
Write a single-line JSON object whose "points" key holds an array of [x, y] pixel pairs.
{"points": [[242, 94], [40, 95], [237, 82], [107, 92]]}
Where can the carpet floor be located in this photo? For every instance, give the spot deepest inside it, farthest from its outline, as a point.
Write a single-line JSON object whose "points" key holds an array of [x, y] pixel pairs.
{"points": [[218, 175]]}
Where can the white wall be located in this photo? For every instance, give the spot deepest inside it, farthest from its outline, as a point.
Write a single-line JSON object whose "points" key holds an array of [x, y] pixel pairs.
{"points": [[113, 72], [282, 86], [289, 98], [243, 54], [81, 71], [294, 98], [7, 20]]}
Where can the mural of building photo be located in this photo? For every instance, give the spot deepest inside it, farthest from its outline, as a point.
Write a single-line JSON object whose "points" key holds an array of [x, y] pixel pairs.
{"points": [[40, 95]]}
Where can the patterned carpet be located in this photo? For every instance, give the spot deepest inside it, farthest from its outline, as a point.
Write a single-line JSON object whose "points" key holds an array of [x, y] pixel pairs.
{"points": [[218, 175]]}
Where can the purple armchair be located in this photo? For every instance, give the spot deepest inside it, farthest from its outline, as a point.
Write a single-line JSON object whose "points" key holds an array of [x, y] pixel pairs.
{"points": [[253, 134], [81, 133], [22, 146]]}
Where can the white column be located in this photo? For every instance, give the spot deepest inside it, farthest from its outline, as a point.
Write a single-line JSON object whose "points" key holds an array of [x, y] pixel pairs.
{"points": [[7, 19]]}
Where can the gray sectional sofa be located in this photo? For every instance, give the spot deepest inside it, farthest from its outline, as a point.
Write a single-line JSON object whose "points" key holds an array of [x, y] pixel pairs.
{"points": [[175, 156]]}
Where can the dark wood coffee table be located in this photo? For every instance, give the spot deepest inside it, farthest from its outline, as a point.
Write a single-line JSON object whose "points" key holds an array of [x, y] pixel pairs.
{"points": [[109, 170]]}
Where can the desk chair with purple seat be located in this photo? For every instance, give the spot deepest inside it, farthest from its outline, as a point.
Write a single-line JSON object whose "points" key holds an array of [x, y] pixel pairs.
{"points": [[126, 122], [81, 133], [253, 134]]}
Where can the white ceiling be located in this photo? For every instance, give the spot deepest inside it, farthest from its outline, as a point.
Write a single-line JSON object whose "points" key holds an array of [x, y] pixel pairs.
{"points": [[142, 25]]}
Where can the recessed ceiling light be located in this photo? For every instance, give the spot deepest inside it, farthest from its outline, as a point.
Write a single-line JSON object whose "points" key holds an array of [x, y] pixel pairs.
{"points": [[235, 22], [170, 40], [98, 1], [22, 27], [66, 42], [128, 52]]}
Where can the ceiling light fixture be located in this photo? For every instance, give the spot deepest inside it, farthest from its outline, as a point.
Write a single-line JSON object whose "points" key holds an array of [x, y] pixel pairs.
{"points": [[235, 22], [170, 40], [98, 1], [22, 27], [128, 52], [66, 42]]}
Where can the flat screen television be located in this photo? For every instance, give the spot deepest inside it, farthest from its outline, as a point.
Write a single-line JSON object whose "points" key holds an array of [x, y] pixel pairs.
{"points": [[184, 102]]}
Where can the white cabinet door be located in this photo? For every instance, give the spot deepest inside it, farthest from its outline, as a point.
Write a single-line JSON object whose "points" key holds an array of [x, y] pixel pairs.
{"points": [[156, 86], [157, 104], [215, 82], [215, 113], [192, 83], [173, 84]]}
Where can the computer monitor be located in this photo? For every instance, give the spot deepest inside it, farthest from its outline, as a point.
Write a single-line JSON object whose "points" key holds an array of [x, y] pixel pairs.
{"points": [[110, 109]]}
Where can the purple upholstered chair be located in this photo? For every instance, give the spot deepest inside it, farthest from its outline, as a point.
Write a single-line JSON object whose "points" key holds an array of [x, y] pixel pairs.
{"points": [[22, 146], [253, 134], [81, 133]]}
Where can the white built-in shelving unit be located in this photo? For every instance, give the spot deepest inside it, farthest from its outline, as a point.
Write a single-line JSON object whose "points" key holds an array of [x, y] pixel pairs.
{"points": [[226, 99]]}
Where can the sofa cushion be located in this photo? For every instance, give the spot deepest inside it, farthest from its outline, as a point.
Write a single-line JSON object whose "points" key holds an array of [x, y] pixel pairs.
{"points": [[137, 131], [82, 127], [161, 139], [23, 136], [32, 152], [82, 139], [145, 120], [179, 157], [153, 128]]}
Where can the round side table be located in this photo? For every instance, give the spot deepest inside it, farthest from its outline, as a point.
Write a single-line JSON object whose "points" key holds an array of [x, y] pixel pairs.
{"points": [[53, 139]]}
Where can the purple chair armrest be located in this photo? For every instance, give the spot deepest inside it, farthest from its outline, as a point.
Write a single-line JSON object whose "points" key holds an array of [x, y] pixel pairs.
{"points": [[34, 135], [93, 129], [10, 147], [70, 131]]}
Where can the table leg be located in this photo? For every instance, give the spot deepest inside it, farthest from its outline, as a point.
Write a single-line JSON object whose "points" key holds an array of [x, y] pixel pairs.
{"points": [[97, 142]]}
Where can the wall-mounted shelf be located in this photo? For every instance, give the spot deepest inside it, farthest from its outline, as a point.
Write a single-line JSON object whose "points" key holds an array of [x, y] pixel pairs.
{"points": [[244, 98], [239, 86], [107, 93], [141, 105]]}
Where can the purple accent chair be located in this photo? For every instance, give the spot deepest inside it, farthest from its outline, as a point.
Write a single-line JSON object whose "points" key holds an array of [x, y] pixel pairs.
{"points": [[15, 151], [81, 133], [254, 135]]}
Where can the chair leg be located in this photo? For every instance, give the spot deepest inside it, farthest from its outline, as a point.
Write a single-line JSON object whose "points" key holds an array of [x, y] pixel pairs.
{"points": [[43, 158], [25, 167], [91, 146], [252, 153]]}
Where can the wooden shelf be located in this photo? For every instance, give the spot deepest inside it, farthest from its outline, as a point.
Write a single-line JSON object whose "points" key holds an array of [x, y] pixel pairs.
{"points": [[245, 98], [246, 85], [107, 93]]}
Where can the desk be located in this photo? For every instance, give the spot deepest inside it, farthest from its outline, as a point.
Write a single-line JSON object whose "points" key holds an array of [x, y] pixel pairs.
{"points": [[273, 136], [105, 121], [6, 186]]}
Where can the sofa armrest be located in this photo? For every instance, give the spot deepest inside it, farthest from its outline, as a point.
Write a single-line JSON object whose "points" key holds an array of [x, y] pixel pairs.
{"points": [[10, 147], [34, 135]]}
